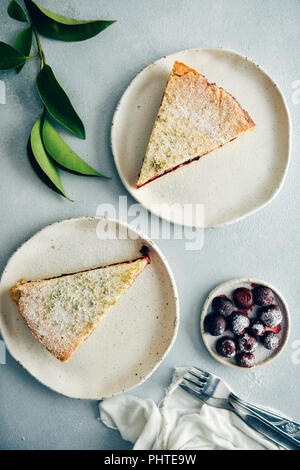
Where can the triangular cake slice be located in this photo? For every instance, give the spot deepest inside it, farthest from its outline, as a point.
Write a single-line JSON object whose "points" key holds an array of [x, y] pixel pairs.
{"points": [[195, 118], [62, 312]]}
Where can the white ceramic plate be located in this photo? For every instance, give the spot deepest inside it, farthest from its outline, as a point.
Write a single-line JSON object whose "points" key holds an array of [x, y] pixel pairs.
{"points": [[232, 182], [262, 355], [130, 341]]}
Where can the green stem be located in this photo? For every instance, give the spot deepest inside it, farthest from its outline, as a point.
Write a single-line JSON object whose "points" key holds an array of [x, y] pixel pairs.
{"points": [[40, 50]]}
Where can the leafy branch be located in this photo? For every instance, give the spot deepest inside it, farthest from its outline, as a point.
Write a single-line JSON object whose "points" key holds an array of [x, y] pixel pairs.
{"points": [[46, 148]]}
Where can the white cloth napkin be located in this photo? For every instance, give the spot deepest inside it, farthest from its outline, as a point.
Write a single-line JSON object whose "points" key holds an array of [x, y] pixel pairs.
{"points": [[180, 422]]}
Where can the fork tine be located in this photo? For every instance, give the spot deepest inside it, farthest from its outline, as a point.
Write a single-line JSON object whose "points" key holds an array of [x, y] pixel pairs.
{"points": [[191, 389], [202, 373], [196, 384], [187, 388], [200, 378]]}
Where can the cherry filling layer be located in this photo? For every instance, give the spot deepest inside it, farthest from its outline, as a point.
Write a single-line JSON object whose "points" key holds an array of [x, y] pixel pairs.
{"points": [[170, 170]]}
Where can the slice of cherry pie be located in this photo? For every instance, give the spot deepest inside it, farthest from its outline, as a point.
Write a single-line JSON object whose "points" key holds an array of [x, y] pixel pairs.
{"points": [[195, 118], [62, 312]]}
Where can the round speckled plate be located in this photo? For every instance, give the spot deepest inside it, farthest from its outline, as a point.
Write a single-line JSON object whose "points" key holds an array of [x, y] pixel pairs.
{"points": [[232, 182], [262, 355], [130, 341]]}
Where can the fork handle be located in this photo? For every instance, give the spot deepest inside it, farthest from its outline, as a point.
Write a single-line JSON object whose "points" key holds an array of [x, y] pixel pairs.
{"points": [[278, 428]]}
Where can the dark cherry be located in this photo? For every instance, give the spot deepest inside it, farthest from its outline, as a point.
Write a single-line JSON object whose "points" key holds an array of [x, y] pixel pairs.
{"points": [[263, 296], [247, 343], [271, 316], [238, 323], [243, 298], [223, 306], [271, 341], [215, 324], [257, 328], [246, 360], [226, 347]]}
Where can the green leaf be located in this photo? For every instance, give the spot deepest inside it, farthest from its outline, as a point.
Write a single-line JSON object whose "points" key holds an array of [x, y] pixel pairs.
{"points": [[63, 154], [57, 102], [42, 159], [16, 12], [23, 43], [60, 27], [10, 58]]}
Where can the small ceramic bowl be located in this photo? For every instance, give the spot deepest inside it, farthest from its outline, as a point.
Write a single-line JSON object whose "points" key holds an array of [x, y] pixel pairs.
{"points": [[262, 355]]}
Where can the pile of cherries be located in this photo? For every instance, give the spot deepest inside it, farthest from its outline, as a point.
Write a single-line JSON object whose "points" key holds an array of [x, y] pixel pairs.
{"points": [[233, 316]]}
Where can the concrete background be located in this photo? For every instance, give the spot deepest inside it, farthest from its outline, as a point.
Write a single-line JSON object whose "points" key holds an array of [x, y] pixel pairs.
{"points": [[266, 245]]}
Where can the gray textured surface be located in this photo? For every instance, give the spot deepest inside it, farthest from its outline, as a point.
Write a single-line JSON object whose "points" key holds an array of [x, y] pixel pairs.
{"points": [[265, 245]]}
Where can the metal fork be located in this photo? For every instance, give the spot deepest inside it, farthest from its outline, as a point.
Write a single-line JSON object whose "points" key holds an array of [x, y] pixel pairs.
{"points": [[213, 391]]}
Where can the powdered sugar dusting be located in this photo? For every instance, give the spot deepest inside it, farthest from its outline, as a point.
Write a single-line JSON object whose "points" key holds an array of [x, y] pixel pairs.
{"points": [[195, 118], [62, 312], [271, 341], [239, 322], [258, 328], [248, 360], [271, 316], [247, 343], [262, 354]]}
